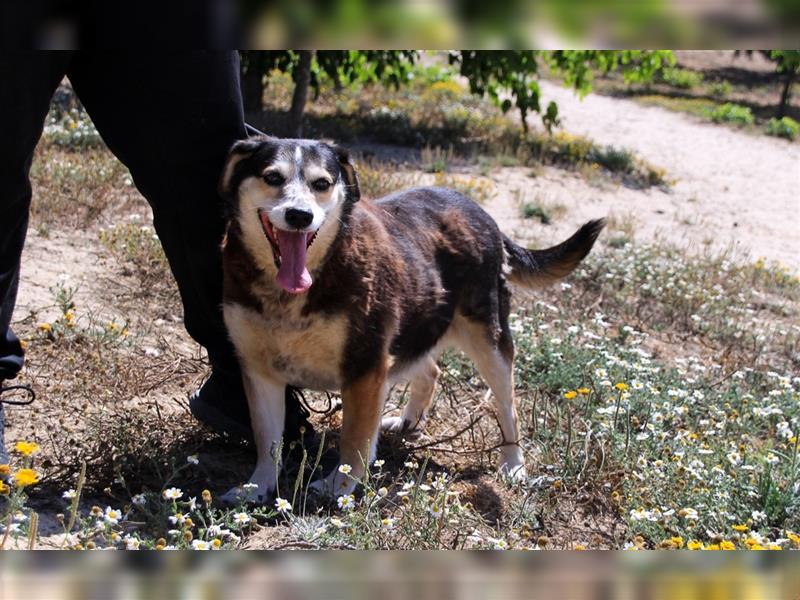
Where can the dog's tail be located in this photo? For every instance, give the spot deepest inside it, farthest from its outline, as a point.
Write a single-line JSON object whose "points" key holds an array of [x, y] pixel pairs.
{"points": [[539, 268]]}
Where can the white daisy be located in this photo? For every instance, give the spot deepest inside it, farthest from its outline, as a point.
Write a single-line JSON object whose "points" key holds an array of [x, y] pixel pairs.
{"points": [[173, 493], [346, 502], [241, 518]]}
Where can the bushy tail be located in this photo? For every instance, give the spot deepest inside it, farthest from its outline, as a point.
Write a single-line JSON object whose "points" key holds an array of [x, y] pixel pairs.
{"points": [[538, 268]]}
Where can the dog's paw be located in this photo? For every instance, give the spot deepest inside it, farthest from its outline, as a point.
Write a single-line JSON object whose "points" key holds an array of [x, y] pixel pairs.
{"points": [[245, 494], [394, 424], [513, 472], [401, 426], [335, 484], [319, 487]]}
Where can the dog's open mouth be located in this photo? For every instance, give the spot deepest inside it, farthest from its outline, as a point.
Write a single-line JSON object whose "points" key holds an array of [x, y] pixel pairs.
{"points": [[289, 249]]}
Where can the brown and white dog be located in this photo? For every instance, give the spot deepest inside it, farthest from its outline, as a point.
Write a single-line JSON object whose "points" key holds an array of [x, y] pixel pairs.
{"points": [[326, 291]]}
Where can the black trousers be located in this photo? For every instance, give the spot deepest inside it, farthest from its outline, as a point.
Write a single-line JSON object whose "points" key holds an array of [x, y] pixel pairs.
{"points": [[170, 117]]}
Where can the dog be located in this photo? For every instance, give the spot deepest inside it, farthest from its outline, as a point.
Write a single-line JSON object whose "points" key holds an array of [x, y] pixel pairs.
{"points": [[328, 291]]}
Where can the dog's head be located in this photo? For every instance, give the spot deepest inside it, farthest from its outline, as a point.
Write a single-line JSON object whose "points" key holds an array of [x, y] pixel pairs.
{"points": [[289, 196]]}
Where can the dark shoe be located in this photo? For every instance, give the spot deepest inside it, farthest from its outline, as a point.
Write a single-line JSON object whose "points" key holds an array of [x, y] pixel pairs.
{"points": [[16, 400], [221, 404], [3, 453]]}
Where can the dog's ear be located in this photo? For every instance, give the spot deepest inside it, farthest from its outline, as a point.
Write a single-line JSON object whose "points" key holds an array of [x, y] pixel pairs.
{"points": [[348, 171], [241, 150]]}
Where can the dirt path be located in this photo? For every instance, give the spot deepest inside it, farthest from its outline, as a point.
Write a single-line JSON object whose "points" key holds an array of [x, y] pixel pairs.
{"points": [[731, 188]]}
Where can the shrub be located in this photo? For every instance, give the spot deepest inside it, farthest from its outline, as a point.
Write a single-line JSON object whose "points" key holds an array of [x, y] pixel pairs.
{"points": [[786, 128], [721, 89], [682, 78], [618, 160], [530, 210], [732, 113]]}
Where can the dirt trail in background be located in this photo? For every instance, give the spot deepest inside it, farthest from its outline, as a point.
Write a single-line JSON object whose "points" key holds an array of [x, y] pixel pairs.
{"points": [[730, 187]]}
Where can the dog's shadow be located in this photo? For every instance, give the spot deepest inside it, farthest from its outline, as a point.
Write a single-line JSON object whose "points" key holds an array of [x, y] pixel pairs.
{"points": [[223, 463]]}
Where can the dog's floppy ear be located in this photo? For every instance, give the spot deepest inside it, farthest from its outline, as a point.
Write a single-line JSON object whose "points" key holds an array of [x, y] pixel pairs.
{"points": [[241, 150], [348, 172]]}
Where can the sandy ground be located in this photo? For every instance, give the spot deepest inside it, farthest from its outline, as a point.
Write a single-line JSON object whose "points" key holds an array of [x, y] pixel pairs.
{"points": [[730, 188]]}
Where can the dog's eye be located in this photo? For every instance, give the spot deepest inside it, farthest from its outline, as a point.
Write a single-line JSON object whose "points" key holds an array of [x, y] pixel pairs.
{"points": [[321, 184], [274, 178]]}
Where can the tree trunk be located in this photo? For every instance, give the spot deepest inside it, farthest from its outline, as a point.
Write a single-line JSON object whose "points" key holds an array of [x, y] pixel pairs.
{"points": [[252, 88], [302, 79], [787, 92]]}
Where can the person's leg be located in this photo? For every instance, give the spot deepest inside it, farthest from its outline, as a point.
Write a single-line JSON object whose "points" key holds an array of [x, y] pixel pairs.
{"points": [[27, 82], [171, 117]]}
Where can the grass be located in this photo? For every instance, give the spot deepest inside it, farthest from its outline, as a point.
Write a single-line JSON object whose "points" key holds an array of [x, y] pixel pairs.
{"points": [[668, 418]]}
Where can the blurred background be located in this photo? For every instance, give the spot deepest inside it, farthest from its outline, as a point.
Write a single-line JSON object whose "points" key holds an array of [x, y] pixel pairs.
{"points": [[478, 576], [401, 24]]}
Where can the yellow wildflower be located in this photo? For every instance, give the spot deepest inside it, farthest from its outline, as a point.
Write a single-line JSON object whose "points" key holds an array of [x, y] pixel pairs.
{"points": [[583, 391], [795, 539], [570, 395], [206, 495], [4, 489], [5, 469], [711, 547], [694, 545], [45, 327], [621, 386], [25, 477], [579, 547], [26, 448], [677, 541], [740, 528], [727, 545]]}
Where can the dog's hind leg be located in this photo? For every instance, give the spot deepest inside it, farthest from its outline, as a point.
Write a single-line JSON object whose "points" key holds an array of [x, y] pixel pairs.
{"points": [[494, 360], [422, 387], [265, 398], [362, 405]]}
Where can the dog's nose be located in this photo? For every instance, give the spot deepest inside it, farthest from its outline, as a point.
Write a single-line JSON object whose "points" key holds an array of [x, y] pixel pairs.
{"points": [[298, 217]]}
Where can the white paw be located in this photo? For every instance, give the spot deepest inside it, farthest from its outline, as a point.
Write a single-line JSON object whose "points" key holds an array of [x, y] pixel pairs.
{"points": [[392, 424], [250, 494], [513, 472], [401, 426], [335, 484]]}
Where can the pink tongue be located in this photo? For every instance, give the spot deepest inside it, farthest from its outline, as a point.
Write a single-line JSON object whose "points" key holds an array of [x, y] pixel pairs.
{"points": [[293, 276]]}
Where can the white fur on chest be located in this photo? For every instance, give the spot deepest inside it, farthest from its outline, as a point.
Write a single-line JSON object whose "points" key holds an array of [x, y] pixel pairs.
{"points": [[287, 347]]}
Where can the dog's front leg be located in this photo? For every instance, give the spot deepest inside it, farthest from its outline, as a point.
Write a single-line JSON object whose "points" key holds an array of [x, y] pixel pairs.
{"points": [[362, 406], [265, 397]]}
